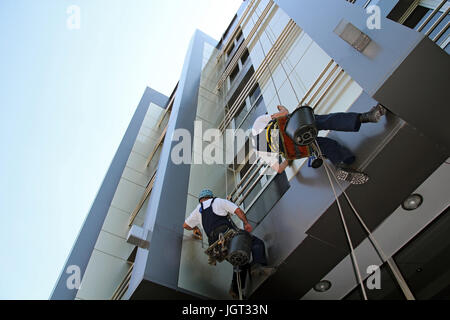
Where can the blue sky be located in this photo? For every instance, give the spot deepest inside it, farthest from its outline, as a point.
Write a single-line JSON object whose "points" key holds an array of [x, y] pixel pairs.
{"points": [[66, 98]]}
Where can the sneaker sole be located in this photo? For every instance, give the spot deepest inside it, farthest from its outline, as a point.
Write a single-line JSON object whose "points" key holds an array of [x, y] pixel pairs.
{"points": [[352, 177]]}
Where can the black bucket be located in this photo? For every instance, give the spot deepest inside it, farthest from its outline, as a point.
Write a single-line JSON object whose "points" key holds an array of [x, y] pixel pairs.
{"points": [[240, 248], [301, 126]]}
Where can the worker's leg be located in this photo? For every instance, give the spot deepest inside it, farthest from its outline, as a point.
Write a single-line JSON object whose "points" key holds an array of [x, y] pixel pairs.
{"points": [[341, 121], [258, 251], [337, 153], [349, 121]]}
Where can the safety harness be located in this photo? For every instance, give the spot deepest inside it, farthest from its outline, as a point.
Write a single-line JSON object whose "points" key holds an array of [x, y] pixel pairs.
{"points": [[285, 145]]}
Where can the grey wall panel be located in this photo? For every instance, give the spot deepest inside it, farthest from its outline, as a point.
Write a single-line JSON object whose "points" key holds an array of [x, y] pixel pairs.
{"points": [[84, 245], [166, 212], [319, 20]]}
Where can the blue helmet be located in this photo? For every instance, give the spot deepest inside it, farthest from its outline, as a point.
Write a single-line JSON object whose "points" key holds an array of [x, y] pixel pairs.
{"points": [[205, 193]]}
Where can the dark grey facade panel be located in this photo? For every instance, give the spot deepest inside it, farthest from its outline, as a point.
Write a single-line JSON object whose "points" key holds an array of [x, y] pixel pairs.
{"points": [[84, 245], [312, 260], [166, 212], [417, 91]]}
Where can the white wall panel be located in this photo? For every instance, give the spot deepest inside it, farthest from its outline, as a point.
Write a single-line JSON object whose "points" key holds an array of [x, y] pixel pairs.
{"points": [[116, 222], [127, 195], [312, 64], [137, 162], [136, 177], [103, 274], [145, 145], [113, 245]]}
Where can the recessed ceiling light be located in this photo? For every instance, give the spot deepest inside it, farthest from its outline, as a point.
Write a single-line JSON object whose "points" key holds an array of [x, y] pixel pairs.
{"points": [[322, 286], [412, 202]]}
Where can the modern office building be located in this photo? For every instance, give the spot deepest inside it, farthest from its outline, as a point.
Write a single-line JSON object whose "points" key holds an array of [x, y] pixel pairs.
{"points": [[335, 56]]}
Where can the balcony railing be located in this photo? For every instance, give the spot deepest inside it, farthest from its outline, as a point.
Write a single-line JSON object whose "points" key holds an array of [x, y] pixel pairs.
{"points": [[123, 286], [144, 197], [234, 33], [243, 46], [287, 31]]}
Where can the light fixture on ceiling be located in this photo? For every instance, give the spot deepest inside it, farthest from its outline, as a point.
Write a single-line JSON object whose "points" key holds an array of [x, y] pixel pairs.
{"points": [[322, 286], [412, 202]]}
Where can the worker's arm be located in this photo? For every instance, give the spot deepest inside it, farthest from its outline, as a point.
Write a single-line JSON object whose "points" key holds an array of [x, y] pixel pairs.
{"points": [[197, 232], [283, 112], [241, 215], [280, 167]]}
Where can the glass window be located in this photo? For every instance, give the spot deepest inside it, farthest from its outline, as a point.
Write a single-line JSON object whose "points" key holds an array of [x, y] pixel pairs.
{"points": [[239, 35], [420, 14], [258, 109], [254, 94], [230, 49], [244, 56], [234, 73], [240, 114]]}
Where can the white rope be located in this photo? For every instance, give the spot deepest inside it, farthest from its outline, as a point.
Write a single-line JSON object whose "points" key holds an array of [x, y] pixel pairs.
{"points": [[408, 294], [238, 280], [280, 61], [352, 250], [270, 72]]}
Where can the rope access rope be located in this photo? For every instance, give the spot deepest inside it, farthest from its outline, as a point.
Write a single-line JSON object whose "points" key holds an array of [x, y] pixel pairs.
{"points": [[352, 250]]}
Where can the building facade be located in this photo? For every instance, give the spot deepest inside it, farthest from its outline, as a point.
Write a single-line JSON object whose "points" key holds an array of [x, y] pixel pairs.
{"points": [[335, 56]]}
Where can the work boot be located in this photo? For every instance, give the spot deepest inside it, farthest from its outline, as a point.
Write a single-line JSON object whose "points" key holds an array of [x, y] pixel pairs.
{"points": [[260, 270], [351, 175], [374, 115]]}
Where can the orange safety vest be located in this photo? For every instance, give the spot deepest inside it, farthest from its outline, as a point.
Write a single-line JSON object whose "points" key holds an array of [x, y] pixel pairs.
{"points": [[290, 151]]}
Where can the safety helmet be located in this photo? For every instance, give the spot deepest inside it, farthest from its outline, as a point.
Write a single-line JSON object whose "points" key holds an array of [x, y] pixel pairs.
{"points": [[205, 193]]}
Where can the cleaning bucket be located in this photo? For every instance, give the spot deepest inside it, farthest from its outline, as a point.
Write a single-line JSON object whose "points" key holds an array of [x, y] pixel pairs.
{"points": [[240, 248], [301, 126]]}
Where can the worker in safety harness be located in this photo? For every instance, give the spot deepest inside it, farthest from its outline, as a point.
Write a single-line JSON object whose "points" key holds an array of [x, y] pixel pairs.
{"points": [[212, 214], [270, 144]]}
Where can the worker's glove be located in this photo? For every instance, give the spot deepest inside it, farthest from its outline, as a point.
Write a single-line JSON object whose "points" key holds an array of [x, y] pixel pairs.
{"points": [[198, 234]]}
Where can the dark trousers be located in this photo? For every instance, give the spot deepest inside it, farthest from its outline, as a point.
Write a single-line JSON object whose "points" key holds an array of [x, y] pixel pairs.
{"points": [[341, 121]]}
